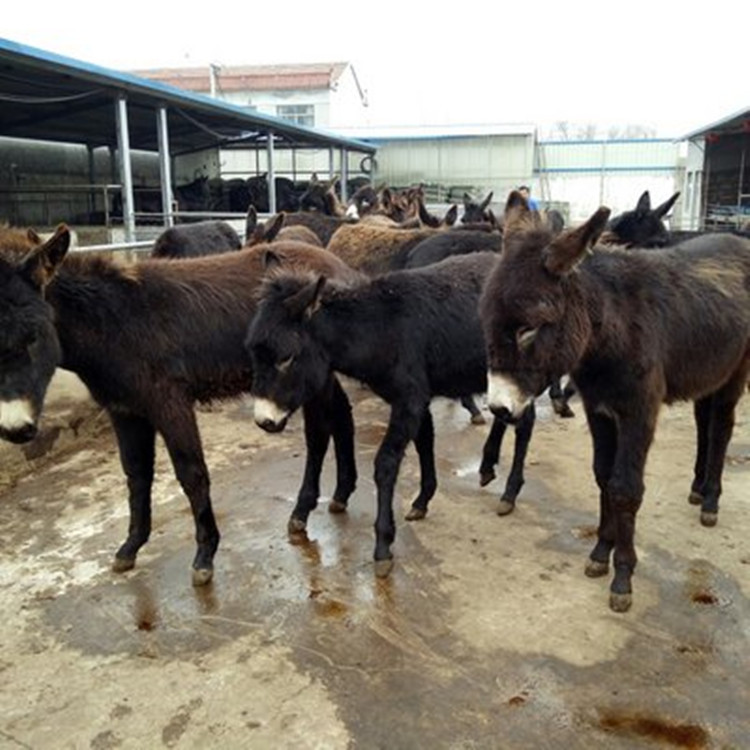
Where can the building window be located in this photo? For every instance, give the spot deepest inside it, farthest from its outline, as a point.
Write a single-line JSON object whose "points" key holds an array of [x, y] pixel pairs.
{"points": [[299, 114]]}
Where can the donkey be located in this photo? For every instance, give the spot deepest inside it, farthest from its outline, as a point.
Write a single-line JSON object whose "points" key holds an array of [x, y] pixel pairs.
{"points": [[632, 327], [322, 197], [643, 226], [408, 335], [192, 240], [149, 340], [274, 230], [477, 213]]}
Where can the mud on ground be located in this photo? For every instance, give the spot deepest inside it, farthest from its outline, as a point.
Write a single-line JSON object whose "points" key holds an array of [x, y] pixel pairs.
{"points": [[486, 635]]}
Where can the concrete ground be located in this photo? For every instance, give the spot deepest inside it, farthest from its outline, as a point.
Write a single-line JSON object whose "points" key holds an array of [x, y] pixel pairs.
{"points": [[486, 635]]}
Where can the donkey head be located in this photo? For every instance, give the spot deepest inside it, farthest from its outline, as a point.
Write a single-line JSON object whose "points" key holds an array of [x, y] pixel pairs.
{"points": [[643, 227], [365, 201], [533, 315], [289, 364], [321, 197], [29, 346], [476, 213]]}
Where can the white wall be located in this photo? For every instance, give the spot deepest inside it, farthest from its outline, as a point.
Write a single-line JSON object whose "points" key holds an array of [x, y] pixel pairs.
{"points": [[619, 191], [347, 108]]}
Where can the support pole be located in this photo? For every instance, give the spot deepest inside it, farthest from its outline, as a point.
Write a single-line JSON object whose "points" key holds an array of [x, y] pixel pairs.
{"points": [[165, 171], [344, 174], [126, 174], [92, 181], [271, 175]]}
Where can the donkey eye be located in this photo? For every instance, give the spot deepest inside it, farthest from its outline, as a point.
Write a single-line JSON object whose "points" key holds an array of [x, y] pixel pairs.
{"points": [[283, 366], [525, 337]]}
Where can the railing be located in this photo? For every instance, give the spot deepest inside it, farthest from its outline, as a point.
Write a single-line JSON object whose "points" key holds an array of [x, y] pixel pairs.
{"points": [[94, 190]]}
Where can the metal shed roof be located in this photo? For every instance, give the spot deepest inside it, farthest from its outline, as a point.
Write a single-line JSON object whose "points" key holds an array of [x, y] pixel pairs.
{"points": [[739, 122], [45, 96]]}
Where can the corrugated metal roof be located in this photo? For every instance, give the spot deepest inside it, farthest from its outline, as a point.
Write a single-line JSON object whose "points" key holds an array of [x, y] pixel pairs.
{"points": [[421, 132], [737, 122], [45, 96], [252, 77]]}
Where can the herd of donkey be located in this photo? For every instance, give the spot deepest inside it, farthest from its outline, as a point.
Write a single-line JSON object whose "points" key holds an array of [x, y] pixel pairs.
{"points": [[412, 305]]}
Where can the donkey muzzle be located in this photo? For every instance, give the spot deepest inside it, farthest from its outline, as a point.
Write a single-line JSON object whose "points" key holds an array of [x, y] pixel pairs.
{"points": [[269, 416]]}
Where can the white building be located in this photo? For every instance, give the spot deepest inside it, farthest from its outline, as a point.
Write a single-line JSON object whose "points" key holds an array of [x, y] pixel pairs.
{"points": [[326, 96]]}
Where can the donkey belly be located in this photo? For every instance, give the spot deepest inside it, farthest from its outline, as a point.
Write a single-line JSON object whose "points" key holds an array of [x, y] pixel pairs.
{"points": [[705, 371]]}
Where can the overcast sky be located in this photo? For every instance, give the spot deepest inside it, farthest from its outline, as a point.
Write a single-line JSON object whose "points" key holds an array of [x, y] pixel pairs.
{"points": [[580, 61]]}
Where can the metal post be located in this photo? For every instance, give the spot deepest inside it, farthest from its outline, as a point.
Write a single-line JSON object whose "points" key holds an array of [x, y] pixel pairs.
{"points": [[330, 163], [165, 172], [271, 175], [92, 181], [344, 174], [126, 174]]}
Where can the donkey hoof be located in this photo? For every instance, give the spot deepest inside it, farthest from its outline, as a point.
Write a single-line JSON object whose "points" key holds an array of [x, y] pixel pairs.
{"points": [[202, 576], [296, 526], [485, 477], [708, 518], [695, 498], [504, 508], [620, 602], [596, 569], [336, 507], [121, 564], [478, 419], [416, 514], [383, 568], [562, 409]]}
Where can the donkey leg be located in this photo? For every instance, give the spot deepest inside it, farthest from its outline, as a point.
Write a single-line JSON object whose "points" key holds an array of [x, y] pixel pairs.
{"points": [[524, 428], [604, 435], [491, 451], [425, 443], [135, 438], [343, 441], [721, 425], [702, 415], [317, 437], [184, 445], [626, 494], [471, 406], [559, 397], [402, 429]]}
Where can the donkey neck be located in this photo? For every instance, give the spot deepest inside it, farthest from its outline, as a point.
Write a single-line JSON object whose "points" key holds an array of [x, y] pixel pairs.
{"points": [[356, 326]]}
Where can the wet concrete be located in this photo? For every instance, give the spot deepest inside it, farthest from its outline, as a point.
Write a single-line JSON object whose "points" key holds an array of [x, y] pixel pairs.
{"points": [[486, 635]]}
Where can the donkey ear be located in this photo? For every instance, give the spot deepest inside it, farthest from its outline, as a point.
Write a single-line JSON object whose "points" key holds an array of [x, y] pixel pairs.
{"points": [[644, 203], [306, 302], [516, 209], [251, 221], [273, 226], [34, 237], [570, 247], [467, 200], [451, 215], [426, 217], [486, 202], [270, 260], [41, 264], [666, 206]]}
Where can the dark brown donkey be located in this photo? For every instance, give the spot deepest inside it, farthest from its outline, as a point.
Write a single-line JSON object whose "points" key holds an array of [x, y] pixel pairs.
{"points": [[635, 329], [149, 340]]}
